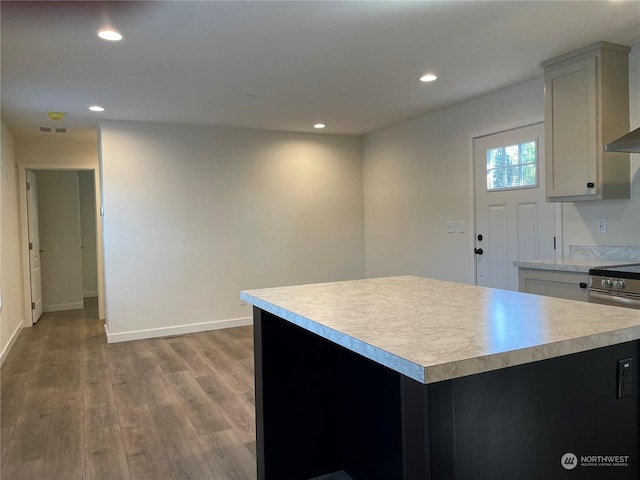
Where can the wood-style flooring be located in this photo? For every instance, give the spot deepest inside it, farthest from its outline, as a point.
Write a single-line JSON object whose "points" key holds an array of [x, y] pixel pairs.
{"points": [[175, 408]]}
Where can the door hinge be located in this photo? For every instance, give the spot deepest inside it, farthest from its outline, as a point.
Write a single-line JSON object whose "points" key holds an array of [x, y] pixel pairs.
{"points": [[33, 306], [30, 245], [28, 186], [554, 243]]}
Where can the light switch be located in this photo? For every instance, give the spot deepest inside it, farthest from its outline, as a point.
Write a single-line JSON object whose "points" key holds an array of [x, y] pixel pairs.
{"points": [[460, 226], [451, 226]]}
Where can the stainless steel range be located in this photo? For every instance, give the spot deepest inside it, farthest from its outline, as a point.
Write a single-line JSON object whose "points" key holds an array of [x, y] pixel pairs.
{"points": [[619, 286]]}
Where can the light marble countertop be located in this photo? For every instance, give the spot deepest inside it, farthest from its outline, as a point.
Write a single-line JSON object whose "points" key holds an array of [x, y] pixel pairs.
{"points": [[432, 330], [581, 265]]}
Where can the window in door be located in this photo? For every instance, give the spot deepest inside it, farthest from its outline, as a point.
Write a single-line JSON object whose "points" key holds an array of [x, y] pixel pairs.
{"points": [[512, 166]]}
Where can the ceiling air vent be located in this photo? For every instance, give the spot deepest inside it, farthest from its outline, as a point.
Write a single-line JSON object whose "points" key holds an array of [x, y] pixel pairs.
{"points": [[53, 130]]}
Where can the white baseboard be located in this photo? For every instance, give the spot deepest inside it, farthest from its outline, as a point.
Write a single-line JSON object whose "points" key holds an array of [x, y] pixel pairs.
{"points": [[63, 306], [12, 340], [177, 330], [92, 293]]}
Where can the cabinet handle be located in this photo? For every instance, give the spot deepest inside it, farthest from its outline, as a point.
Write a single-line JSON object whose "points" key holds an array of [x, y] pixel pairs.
{"points": [[583, 285], [590, 184]]}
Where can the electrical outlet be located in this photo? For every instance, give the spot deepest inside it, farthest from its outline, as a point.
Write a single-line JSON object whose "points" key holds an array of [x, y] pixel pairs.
{"points": [[625, 377], [53, 290], [602, 225]]}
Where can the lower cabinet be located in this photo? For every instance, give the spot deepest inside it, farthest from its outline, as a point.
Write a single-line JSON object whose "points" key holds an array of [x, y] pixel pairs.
{"points": [[552, 283]]}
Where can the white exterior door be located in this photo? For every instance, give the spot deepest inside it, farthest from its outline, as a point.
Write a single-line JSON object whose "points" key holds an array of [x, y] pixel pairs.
{"points": [[34, 246], [513, 219]]}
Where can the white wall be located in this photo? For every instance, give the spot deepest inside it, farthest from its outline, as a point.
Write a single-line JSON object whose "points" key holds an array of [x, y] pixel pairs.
{"points": [[623, 216], [3, 145], [194, 214], [11, 275], [416, 177], [88, 234], [59, 213]]}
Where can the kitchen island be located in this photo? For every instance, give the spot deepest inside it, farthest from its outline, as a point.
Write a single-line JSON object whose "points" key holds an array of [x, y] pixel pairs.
{"points": [[411, 378]]}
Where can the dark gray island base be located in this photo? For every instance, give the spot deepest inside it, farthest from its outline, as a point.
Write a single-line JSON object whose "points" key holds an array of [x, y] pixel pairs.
{"points": [[321, 408], [410, 378]]}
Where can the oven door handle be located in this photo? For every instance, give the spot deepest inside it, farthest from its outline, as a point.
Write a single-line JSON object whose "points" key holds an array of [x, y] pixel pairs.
{"points": [[615, 300]]}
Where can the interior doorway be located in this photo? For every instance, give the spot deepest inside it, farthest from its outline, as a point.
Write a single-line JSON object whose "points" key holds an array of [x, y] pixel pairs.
{"points": [[67, 238], [70, 234]]}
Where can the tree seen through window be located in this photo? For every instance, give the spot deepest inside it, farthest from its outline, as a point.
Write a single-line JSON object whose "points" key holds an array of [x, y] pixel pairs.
{"points": [[512, 166]]}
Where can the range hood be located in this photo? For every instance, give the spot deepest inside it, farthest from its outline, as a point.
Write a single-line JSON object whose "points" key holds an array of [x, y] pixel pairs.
{"points": [[627, 143]]}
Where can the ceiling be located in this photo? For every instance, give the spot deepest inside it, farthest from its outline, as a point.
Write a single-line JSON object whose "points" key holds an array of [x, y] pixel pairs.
{"points": [[354, 66]]}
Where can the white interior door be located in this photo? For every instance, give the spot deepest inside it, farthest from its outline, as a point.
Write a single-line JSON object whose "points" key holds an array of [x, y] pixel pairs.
{"points": [[513, 219], [34, 246]]}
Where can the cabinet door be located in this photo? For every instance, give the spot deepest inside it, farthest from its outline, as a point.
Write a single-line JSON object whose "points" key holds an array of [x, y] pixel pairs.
{"points": [[570, 285], [571, 130]]}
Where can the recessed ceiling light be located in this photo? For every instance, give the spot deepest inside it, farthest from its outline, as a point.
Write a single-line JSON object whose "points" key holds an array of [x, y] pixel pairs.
{"points": [[319, 125], [96, 108], [429, 77], [110, 35]]}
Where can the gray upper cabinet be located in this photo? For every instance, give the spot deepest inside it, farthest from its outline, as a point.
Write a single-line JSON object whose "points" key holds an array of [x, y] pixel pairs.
{"points": [[586, 107]]}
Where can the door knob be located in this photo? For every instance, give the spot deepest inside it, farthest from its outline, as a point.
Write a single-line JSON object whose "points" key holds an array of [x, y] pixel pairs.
{"points": [[478, 251]]}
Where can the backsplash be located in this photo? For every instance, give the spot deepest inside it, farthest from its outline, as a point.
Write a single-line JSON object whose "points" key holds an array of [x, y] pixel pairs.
{"points": [[605, 252]]}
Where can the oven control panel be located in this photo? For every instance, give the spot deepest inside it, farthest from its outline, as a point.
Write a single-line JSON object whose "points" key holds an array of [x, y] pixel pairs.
{"points": [[618, 286], [609, 283], [612, 284], [621, 292]]}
